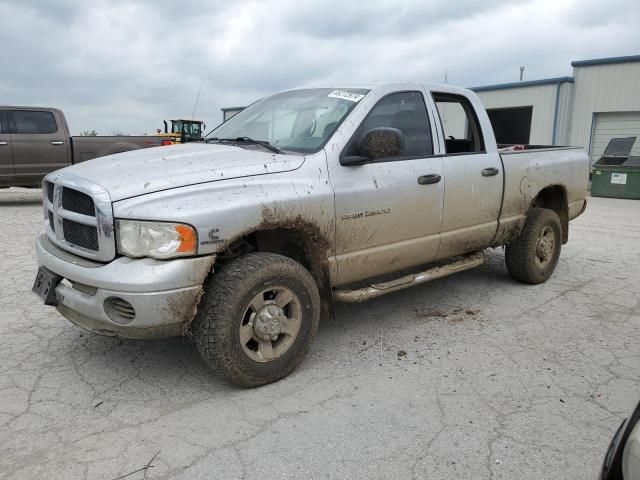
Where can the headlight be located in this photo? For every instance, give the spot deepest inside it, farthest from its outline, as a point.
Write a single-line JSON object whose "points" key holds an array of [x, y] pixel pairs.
{"points": [[155, 239]]}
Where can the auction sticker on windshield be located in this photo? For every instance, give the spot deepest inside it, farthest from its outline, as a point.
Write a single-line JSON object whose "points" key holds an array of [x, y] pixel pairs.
{"points": [[346, 95]]}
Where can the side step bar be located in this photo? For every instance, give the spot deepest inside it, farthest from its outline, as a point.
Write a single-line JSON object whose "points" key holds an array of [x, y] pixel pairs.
{"points": [[470, 261]]}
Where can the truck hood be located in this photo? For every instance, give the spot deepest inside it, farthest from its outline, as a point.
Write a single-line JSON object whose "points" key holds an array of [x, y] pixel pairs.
{"points": [[138, 172]]}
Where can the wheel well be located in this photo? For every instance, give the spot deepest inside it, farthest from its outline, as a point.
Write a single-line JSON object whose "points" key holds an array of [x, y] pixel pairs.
{"points": [[555, 198], [305, 247]]}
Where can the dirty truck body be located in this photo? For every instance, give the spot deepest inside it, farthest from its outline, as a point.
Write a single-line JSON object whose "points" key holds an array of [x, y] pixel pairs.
{"points": [[244, 247], [35, 141]]}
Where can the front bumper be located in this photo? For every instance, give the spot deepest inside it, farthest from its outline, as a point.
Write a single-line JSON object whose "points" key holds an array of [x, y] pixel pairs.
{"points": [[163, 294]]}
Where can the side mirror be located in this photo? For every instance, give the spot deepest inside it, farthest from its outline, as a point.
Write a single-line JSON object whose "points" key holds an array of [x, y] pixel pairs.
{"points": [[381, 142]]}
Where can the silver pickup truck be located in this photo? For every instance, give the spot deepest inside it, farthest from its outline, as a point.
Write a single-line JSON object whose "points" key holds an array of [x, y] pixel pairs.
{"points": [[304, 198]]}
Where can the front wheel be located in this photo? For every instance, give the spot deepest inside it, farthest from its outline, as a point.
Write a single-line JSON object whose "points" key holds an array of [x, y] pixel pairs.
{"points": [[257, 318], [533, 256]]}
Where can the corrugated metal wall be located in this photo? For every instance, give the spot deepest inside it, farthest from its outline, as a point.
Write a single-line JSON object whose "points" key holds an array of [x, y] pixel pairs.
{"points": [[602, 88]]}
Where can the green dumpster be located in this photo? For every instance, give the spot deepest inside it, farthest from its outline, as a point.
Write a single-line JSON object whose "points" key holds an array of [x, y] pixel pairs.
{"points": [[617, 174]]}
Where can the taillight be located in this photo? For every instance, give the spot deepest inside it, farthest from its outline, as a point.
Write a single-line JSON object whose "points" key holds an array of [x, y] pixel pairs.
{"points": [[165, 142]]}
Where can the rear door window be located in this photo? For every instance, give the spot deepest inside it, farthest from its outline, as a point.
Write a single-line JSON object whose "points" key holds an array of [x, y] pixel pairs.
{"points": [[460, 124], [34, 122]]}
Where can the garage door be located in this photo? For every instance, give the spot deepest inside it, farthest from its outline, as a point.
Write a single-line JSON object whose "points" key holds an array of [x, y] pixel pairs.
{"points": [[614, 125]]}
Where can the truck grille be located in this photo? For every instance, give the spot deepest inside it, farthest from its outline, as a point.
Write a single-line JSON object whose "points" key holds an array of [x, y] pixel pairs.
{"points": [[78, 217], [85, 236], [77, 202]]}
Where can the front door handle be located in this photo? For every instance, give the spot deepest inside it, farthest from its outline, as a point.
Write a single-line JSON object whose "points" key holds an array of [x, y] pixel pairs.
{"points": [[57, 142], [4, 143], [429, 179], [490, 172]]}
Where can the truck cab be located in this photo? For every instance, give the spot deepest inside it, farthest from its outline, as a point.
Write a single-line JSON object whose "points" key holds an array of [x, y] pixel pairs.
{"points": [[33, 142]]}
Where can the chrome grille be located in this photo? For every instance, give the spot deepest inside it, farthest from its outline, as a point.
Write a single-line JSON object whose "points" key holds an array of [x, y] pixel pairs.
{"points": [[85, 236], [78, 202], [79, 216]]}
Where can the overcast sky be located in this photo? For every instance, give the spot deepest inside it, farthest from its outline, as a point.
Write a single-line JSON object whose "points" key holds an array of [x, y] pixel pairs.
{"points": [[124, 66]]}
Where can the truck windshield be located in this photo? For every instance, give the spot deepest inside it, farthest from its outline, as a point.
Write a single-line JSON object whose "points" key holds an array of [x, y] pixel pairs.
{"points": [[297, 120]]}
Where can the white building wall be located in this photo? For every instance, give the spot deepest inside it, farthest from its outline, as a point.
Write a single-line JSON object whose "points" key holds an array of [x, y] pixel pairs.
{"points": [[613, 87], [541, 97]]}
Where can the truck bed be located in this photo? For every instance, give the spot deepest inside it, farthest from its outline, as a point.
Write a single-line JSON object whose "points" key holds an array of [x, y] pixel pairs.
{"points": [[531, 170], [86, 148]]}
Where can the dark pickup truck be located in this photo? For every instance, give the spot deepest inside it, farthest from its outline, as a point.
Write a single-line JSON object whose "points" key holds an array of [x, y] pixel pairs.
{"points": [[35, 141]]}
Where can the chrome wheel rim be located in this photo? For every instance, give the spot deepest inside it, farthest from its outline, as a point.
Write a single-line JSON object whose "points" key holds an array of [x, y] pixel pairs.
{"points": [[545, 247], [270, 324]]}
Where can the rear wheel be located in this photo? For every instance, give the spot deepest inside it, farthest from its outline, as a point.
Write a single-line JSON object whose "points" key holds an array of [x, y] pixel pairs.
{"points": [[533, 256], [257, 318]]}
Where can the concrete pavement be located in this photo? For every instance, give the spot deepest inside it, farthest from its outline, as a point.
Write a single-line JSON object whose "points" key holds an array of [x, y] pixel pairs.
{"points": [[470, 377]]}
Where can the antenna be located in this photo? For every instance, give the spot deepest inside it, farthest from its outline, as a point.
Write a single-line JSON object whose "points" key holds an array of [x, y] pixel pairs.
{"points": [[197, 99], [521, 73]]}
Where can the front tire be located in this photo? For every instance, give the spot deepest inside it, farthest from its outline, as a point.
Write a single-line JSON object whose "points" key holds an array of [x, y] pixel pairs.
{"points": [[257, 318], [533, 256]]}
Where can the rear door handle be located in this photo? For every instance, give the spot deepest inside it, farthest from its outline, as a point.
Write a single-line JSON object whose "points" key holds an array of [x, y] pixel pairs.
{"points": [[490, 172], [429, 179], [57, 142], [4, 143]]}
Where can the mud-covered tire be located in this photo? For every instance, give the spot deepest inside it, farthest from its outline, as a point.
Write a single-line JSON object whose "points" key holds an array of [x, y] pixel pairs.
{"points": [[542, 232], [222, 312]]}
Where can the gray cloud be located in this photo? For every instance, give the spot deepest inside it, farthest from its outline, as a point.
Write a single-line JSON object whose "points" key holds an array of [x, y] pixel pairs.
{"points": [[116, 65], [337, 18]]}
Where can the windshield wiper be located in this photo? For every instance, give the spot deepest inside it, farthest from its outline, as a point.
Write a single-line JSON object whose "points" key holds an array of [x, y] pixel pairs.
{"points": [[262, 143]]}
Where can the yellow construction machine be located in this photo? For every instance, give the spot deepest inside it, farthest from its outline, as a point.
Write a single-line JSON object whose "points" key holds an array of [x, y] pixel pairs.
{"points": [[182, 131]]}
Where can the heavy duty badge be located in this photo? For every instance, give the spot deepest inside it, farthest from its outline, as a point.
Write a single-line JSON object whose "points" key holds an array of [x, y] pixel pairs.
{"points": [[367, 213]]}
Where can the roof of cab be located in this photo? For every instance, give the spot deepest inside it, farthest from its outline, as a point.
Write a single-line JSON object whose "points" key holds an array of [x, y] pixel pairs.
{"points": [[390, 84]]}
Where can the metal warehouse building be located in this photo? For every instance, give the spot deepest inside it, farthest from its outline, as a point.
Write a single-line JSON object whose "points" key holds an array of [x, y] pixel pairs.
{"points": [[599, 102]]}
